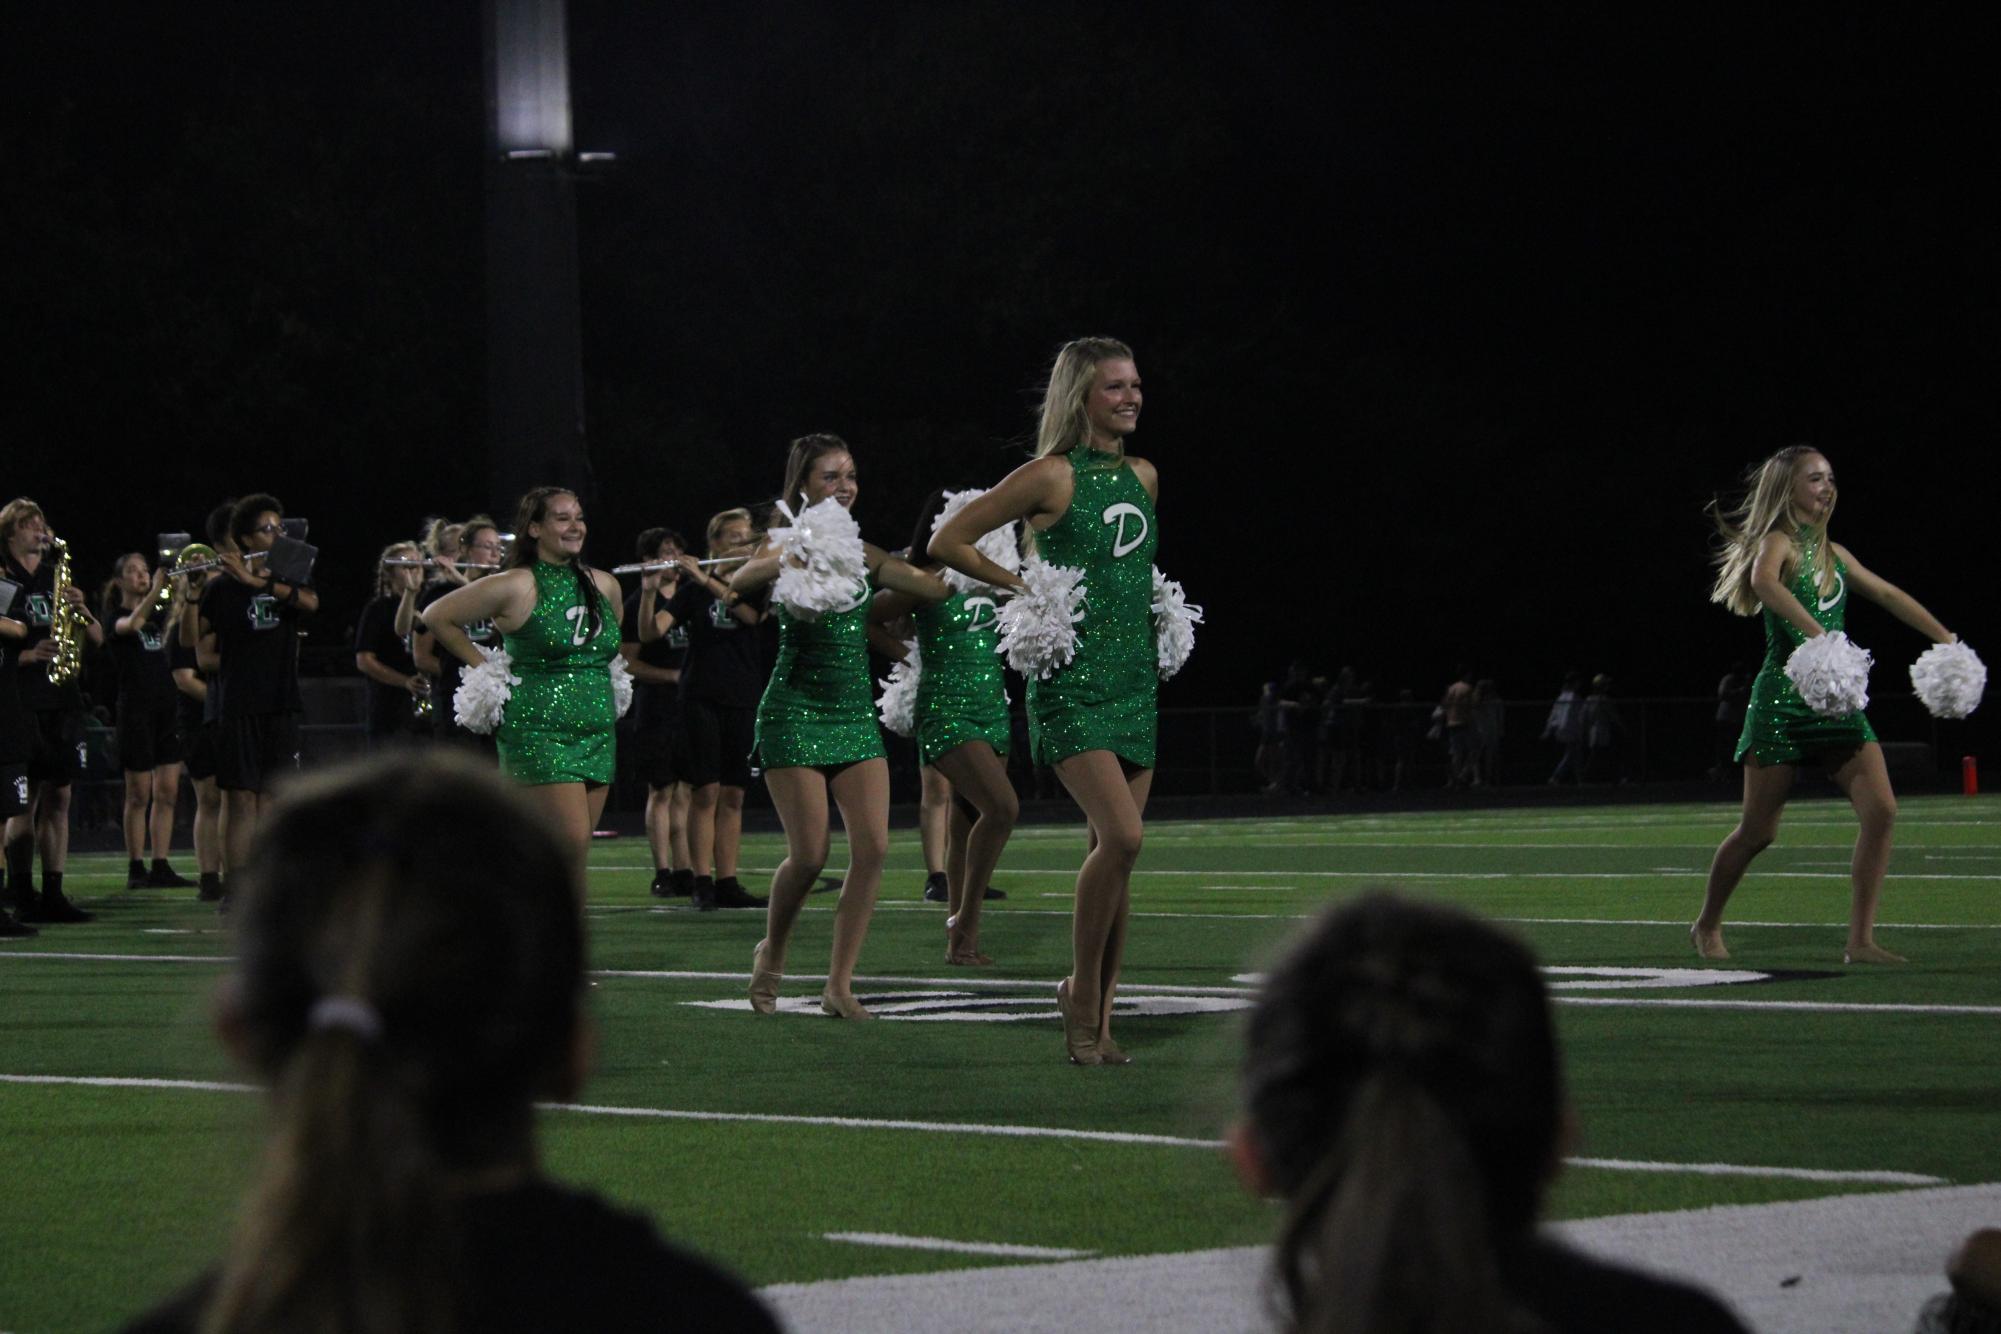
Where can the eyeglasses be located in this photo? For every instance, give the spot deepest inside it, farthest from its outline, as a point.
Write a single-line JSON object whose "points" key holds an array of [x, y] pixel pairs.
{"points": [[269, 528]]}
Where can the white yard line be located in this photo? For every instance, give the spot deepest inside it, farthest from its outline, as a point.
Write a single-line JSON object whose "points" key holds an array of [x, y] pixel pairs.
{"points": [[898, 1241], [996, 1131]]}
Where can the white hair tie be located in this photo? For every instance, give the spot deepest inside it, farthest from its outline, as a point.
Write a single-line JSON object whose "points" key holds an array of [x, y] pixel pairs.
{"points": [[351, 1013]]}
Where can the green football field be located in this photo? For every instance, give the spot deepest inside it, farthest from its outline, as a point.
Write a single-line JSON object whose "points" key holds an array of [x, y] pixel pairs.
{"points": [[798, 1148]]}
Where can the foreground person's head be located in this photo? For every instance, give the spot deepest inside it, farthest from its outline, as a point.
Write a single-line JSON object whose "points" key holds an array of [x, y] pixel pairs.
{"points": [[409, 981], [1402, 1095]]}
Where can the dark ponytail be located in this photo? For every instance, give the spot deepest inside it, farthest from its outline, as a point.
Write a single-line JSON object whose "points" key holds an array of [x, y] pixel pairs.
{"points": [[1401, 1084], [409, 965]]}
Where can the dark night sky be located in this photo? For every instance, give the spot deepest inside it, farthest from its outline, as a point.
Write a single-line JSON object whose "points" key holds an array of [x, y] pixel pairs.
{"points": [[1451, 316]]}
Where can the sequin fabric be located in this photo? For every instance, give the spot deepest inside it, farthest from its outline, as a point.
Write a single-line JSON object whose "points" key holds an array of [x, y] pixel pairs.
{"points": [[1779, 728], [1105, 698], [960, 694], [818, 709], [560, 723]]}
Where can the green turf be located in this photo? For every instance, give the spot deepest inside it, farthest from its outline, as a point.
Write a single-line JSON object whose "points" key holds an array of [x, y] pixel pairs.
{"points": [[114, 1195]]}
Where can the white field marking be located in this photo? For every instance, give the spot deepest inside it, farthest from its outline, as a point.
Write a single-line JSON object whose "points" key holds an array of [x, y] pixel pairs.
{"points": [[1738, 1170], [943, 1007], [1817, 1007], [1611, 977], [120, 958], [111, 1082], [957, 1247], [1126, 987], [997, 1131], [1734, 924]]}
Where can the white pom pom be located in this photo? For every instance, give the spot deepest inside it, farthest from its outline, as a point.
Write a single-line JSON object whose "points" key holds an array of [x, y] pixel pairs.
{"points": [[621, 684], [1038, 626], [1174, 622], [1002, 546], [1950, 679], [898, 706], [820, 560], [1831, 673], [484, 691]]}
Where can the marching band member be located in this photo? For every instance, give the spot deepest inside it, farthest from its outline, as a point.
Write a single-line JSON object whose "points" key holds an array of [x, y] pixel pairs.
{"points": [[57, 749], [149, 744], [721, 676], [249, 641], [655, 665], [396, 689]]}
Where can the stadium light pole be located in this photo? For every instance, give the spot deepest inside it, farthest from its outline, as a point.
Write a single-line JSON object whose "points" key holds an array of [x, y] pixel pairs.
{"points": [[535, 387]]}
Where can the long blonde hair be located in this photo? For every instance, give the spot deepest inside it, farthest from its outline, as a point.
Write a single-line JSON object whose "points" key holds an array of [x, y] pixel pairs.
{"points": [[1767, 507], [1064, 425]]}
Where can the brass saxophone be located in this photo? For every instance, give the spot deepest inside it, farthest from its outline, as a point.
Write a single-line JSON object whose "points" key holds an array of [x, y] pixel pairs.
{"points": [[67, 622]]}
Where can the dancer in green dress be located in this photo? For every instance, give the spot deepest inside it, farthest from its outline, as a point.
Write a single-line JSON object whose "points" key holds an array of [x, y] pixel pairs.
{"points": [[1088, 503], [962, 733], [817, 737], [1776, 557], [558, 620]]}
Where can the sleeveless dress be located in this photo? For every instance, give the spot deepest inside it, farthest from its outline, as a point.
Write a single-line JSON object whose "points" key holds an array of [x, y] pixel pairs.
{"points": [[1105, 698], [560, 725], [1779, 728], [960, 695], [818, 709]]}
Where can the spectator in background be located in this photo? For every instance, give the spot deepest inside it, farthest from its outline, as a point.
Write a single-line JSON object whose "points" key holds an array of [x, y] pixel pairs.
{"points": [[409, 981], [1489, 718], [1405, 727], [1461, 753], [1336, 748], [1604, 731], [1565, 726], [1403, 1096], [1268, 760], [1296, 707]]}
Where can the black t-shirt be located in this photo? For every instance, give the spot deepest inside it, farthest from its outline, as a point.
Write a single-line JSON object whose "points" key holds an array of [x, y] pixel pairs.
{"points": [[376, 633], [145, 677], [654, 704], [484, 633], [188, 711], [544, 1257], [257, 637], [34, 607], [1576, 1293], [723, 665]]}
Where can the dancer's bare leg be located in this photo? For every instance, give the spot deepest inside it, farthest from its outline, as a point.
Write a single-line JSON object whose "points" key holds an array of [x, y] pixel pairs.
{"points": [[934, 815], [800, 794], [574, 809], [138, 795], [979, 777], [1097, 783], [1866, 781], [1766, 787], [862, 792]]}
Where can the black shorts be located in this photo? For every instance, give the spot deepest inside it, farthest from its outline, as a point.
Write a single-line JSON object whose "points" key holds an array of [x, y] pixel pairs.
{"points": [[718, 739], [59, 753], [13, 790], [253, 753], [659, 750], [148, 736], [198, 749]]}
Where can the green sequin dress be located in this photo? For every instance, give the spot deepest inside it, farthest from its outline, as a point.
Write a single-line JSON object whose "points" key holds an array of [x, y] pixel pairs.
{"points": [[1779, 728], [1104, 699], [560, 723], [818, 709], [960, 695]]}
